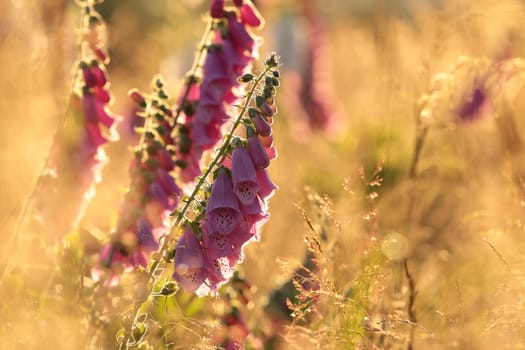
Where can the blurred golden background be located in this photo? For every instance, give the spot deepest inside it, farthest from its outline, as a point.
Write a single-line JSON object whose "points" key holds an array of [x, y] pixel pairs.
{"points": [[386, 70]]}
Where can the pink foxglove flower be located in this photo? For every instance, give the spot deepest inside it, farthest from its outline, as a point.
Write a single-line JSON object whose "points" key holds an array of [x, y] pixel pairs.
{"points": [[190, 269], [217, 244], [250, 16], [244, 178], [267, 187], [217, 8], [237, 205], [261, 124], [311, 91], [77, 157], [257, 152], [475, 104], [220, 270], [237, 330], [228, 56], [153, 192], [222, 210]]}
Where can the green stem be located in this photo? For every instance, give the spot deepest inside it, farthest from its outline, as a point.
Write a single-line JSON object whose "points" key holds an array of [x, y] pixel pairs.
{"points": [[420, 142]]}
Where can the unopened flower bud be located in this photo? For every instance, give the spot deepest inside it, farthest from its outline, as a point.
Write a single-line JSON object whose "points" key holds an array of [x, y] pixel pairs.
{"points": [[267, 141], [162, 94], [169, 288], [256, 150], [262, 127], [168, 255], [159, 83], [271, 61], [259, 100], [166, 110], [181, 163], [217, 9], [101, 55], [159, 117], [184, 143], [268, 91], [246, 78], [137, 97], [184, 129], [138, 330], [266, 110], [188, 109]]}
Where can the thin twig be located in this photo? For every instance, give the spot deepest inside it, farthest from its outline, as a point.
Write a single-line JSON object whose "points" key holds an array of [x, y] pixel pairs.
{"points": [[411, 306], [498, 254]]}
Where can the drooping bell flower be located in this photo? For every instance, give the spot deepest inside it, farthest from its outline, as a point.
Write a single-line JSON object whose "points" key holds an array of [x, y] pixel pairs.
{"points": [[215, 66], [236, 59], [262, 126], [190, 269], [266, 109], [228, 55], [145, 237], [244, 178], [205, 135], [256, 207], [271, 152], [250, 16], [267, 187], [267, 141], [102, 94], [239, 35], [257, 151], [94, 135], [220, 270], [247, 231], [222, 210], [474, 104], [208, 113], [216, 244]]}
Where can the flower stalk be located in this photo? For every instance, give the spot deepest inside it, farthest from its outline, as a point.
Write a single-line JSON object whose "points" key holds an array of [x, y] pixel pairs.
{"points": [[154, 271]]}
